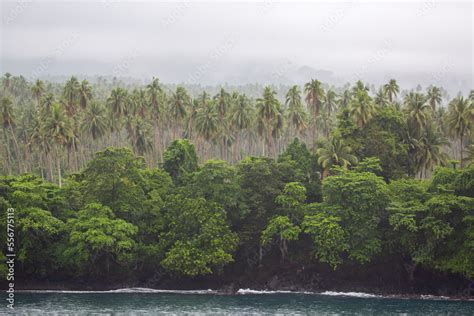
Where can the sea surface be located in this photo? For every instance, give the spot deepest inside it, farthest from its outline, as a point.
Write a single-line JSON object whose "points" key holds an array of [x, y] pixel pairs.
{"points": [[140, 301]]}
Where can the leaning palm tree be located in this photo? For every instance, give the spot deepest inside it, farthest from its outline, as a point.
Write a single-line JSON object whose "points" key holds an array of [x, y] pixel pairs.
{"points": [[38, 90], [314, 99], [417, 111], [361, 107], [458, 120], [267, 111], [392, 89], [295, 112], [335, 153], [434, 97], [430, 150]]}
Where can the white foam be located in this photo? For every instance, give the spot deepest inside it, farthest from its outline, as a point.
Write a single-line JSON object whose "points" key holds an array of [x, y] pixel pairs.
{"points": [[250, 291], [351, 294], [433, 297]]}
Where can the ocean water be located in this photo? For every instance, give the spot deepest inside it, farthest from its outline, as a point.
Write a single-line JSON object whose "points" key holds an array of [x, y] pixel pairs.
{"points": [[246, 302]]}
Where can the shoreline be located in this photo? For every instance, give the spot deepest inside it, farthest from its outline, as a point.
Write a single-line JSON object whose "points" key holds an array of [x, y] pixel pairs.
{"points": [[248, 291]]}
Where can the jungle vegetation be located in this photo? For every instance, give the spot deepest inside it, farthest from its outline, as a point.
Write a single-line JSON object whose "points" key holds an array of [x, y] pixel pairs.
{"points": [[112, 182]]}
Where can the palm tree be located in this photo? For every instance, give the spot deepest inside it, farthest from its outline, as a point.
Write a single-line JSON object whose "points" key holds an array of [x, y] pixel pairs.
{"points": [[361, 107], [156, 95], [335, 153], [85, 94], [240, 120], [117, 103], [434, 97], [314, 98], [8, 122], [345, 98], [392, 89], [417, 110], [380, 98], [7, 81], [222, 100], [330, 103], [58, 128], [458, 119], [38, 90], [71, 95], [47, 102], [180, 100], [295, 113], [430, 150], [95, 120], [267, 111], [207, 122]]}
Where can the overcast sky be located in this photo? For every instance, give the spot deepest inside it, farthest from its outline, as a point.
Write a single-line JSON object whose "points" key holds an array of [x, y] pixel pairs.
{"points": [[184, 40]]}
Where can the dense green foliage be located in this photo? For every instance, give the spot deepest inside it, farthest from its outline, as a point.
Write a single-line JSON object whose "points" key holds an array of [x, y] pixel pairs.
{"points": [[117, 218], [105, 188]]}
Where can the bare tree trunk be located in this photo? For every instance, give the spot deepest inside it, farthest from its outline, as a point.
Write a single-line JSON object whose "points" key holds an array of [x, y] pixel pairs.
{"points": [[17, 148]]}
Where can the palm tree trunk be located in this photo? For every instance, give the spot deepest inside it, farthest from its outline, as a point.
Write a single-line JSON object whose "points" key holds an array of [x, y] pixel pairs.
{"points": [[461, 139], [17, 149]]}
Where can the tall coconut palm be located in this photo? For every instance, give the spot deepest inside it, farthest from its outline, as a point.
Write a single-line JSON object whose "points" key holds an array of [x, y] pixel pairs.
{"points": [[330, 103], [381, 99], [267, 111], [392, 89], [417, 111], [47, 102], [85, 94], [334, 153], [8, 122], [361, 107], [222, 100], [117, 104], [458, 120], [207, 122], [434, 97], [58, 128], [430, 150], [314, 99], [295, 112], [179, 103], [345, 98], [240, 120], [38, 90], [156, 98], [95, 120], [7, 81], [71, 95]]}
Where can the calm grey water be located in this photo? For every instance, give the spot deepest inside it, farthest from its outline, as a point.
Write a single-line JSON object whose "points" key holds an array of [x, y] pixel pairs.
{"points": [[209, 304]]}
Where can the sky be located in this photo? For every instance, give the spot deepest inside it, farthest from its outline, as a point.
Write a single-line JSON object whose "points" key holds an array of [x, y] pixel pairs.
{"points": [[427, 42]]}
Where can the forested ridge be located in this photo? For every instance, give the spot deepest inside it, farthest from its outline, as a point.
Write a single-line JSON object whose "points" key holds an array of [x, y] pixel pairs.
{"points": [[143, 185]]}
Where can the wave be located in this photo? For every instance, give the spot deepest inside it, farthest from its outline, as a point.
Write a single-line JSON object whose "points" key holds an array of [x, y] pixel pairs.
{"points": [[250, 291], [351, 294]]}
